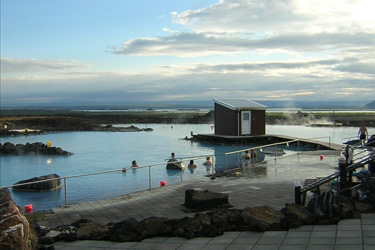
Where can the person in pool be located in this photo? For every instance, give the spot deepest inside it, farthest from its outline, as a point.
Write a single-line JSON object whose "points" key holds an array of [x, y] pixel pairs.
{"points": [[173, 157], [208, 161], [191, 164], [134, 164], [247, 155]]}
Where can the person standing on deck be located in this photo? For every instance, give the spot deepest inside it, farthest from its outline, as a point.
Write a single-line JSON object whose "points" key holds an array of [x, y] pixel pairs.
{"points": [[363, 134]]}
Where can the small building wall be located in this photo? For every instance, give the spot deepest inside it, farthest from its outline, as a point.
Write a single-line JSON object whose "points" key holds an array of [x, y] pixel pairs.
{"points": [[258, 122], [231, 115], [226, 121]]}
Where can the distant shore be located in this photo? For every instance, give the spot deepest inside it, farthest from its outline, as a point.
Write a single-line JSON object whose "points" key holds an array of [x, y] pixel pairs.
{"points": [[66, 120]]}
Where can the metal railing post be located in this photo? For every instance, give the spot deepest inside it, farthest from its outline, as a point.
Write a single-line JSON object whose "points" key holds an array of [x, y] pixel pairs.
{"points": [[253, 156], [298, 149], [212, 169], [65, 188], [298, 146], [149, 177], [226, 163], [275, 153]]}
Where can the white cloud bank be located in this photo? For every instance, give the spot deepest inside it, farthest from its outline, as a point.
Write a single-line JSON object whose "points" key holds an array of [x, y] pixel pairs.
{"points": [[265, 50]]}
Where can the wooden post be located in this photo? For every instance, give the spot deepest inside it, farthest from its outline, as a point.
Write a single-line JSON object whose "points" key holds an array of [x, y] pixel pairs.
{"points": [[297, 195], [371, 167], [350, 178]]}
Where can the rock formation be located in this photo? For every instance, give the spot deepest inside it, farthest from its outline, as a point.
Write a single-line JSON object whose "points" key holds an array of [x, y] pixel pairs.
{"points": [[111, 128], [16, 231], [296, 215], [366, 193], [50, 182], [30, 149], [205, 200], [263, 219]]}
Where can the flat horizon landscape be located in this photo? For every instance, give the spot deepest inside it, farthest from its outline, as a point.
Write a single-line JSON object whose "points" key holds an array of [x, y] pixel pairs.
{"points": [[345, 105]]}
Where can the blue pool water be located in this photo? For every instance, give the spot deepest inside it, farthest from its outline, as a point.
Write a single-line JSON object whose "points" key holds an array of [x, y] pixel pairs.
{"points": [[106, 151]]}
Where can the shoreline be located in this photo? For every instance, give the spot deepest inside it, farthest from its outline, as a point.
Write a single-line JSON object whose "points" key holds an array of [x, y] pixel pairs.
{"points": [[55, 121]]}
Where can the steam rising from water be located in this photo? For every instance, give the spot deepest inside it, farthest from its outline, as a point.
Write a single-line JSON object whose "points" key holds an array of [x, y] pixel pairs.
{"points": [[299, 118]]}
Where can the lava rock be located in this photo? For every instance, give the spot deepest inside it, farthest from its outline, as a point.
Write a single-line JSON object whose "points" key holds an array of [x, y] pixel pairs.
{"points": [[263, 218], [16, 231], [126, 230], [363, 207], [31, 149], [156, 226], [90, 230], [50, 182], [205, 200], [297, 215]]}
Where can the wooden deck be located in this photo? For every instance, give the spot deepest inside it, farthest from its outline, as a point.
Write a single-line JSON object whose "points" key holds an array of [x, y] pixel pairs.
{"points": [[267, 139]]}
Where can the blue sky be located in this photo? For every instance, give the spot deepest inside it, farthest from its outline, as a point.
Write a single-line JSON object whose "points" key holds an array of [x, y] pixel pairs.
{"points": [[114, 51]]}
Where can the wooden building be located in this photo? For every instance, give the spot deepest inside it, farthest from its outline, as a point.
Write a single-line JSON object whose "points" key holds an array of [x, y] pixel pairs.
{"points": [[237, 117]]}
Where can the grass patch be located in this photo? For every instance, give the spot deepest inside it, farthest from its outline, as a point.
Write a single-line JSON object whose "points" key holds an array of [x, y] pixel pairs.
{"points": [[37, 216]]}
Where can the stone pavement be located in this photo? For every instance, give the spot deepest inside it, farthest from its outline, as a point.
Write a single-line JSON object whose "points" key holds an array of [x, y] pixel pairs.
{"points": [[270, 184], [351, 234]]}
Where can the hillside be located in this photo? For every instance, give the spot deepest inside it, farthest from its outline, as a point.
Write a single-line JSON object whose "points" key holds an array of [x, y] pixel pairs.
{"points": [[370, 105]]}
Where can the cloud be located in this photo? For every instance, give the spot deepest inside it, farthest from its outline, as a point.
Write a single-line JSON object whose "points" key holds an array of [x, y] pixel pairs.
{"points": [[239, 16], [276, 50], [277, 17], [180, 45], [293, 80], [331, 44], [12, 65], [199, 44], [236, 26], [358, 67]]}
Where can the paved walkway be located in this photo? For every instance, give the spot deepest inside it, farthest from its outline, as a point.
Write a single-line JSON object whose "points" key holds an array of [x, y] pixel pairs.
{"points": [[254, 186], [348, 234]]}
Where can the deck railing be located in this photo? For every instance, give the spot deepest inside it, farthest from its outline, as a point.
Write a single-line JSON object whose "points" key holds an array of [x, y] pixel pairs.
{"points": [[360, 159]]}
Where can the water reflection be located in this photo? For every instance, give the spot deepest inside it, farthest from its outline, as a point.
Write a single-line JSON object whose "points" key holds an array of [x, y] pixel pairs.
{"points": [[247, 162], [36, 199], [257, 171], [173, 172]]}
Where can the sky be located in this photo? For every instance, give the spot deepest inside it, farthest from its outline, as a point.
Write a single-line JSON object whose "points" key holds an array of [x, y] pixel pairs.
{"points": [[116, 51]]}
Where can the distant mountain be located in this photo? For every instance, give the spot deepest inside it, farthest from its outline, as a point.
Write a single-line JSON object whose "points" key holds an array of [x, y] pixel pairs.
{"points": [[314, 105], [370, 105]]}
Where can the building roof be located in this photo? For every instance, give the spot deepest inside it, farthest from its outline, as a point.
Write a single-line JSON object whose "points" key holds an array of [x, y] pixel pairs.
{"points": [[240, 103]]}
